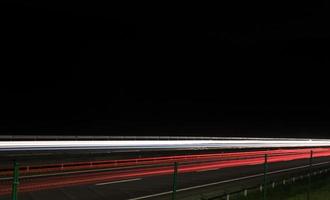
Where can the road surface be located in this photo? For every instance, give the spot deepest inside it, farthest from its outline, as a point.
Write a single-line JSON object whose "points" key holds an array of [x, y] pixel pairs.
{"points": [[154, 180]]}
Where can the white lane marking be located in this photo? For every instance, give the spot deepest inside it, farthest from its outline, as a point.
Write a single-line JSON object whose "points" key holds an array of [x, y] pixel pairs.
{"points": [[205, 170], [225, 181], [122, 181], [152, 195]]}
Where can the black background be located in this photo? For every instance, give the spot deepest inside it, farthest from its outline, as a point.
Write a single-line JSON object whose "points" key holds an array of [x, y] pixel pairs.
{"points": [[229, 69]]}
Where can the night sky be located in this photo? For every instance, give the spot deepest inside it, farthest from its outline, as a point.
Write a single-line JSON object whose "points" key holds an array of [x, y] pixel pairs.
{"points": [[227, 69]]}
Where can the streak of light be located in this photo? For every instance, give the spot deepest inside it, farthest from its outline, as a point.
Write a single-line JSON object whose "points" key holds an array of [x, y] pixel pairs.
{"points": [[153, 144], [109, 176]]}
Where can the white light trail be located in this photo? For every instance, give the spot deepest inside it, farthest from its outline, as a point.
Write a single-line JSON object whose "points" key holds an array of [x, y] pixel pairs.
{"points": [[156, 144]]}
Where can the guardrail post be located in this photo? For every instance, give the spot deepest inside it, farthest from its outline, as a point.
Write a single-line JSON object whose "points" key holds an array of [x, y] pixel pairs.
{"points": [[175, 180], [15, 181], [265, 176], [310, 175]]}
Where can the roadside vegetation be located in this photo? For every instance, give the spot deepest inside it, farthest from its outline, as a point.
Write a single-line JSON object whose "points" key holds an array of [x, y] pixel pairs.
{"points": [[320, 190]]}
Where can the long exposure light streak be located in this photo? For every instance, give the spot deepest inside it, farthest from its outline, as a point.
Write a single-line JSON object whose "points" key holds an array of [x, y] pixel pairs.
{"points": [[61, 180], [156, 144]]}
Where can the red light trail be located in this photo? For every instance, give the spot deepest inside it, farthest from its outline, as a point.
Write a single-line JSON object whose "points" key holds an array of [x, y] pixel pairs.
{"points": [[145, 167]]}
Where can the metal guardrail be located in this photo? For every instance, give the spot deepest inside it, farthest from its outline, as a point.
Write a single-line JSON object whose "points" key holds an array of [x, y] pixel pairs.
{"points": [[260, 188], [263, 187]]}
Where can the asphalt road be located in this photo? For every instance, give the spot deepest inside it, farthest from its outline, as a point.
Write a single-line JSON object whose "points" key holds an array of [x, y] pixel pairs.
{"points": [[157, 187]]}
